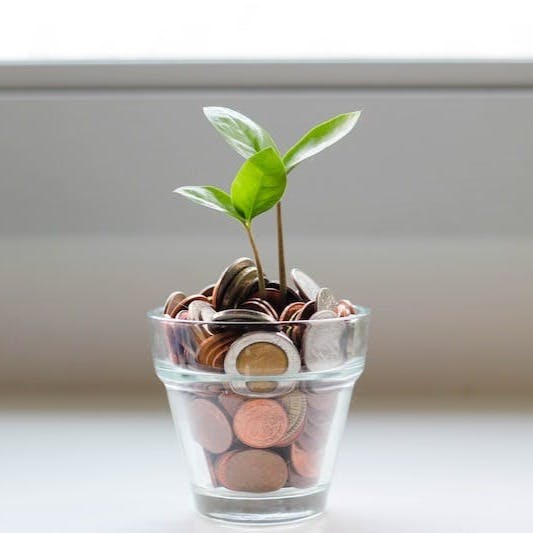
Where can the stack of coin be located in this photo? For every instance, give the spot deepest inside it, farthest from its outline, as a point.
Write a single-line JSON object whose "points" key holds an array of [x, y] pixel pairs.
{"points": [[259, 431], [307, 451], [235, 284]]}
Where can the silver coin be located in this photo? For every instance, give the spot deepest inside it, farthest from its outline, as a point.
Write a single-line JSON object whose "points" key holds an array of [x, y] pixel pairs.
{"points": [[199, 307], [325, 300], [292, 366], [322, 342], [307, 287], [173, 301]]}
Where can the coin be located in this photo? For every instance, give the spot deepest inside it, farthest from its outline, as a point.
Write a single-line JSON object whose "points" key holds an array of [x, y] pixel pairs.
{"points": [[307, 287], [305, 463], [291, 295], [290, 310], [295, 405], [299, 482], [350, 306], [322, 342], [252, 471], [308, 310], [225, 318], [256, 304], [197, 307], [260, 423], [261, 354], [172, 302], [212, 345], [230, 402], [325, 300], [244, 283], [210, 426], [211, 468], [216, 357], [184, 304], [226, 277]]}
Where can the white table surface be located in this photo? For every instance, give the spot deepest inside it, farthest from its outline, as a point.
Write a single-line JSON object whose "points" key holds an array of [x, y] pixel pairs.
{"points": [[404, 466]]}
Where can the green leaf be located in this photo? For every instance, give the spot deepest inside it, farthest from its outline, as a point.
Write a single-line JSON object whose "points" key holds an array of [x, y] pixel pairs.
{"points": [[320, 137], [211, 197], [240, 132], [259, 184]]}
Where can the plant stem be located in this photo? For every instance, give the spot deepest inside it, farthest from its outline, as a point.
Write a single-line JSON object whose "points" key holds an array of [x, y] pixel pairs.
{"points": [[258, 264], [281, 255]]}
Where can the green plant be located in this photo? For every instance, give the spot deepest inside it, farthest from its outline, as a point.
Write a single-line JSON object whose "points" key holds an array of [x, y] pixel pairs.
{"points": [[248, 138], [257, 187]]}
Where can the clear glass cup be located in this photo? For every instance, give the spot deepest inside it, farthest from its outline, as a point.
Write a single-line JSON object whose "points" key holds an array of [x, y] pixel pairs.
{"points": [[260, 447]]}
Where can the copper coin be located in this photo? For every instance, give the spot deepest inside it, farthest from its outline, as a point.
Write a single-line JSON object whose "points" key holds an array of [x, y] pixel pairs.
{"points": [[291, 295], [209, 460], [352, 308], [252, 471], [305, 463], [225, 278], [172, 302], [342, 310], [307, 311], [300, 482], [211, 344], [217, 360], [185, 303], [290, 310], [273, 297], [260, 423], [217, 355], [219, 464], [210, 426], [230, 402], [256, 304]]}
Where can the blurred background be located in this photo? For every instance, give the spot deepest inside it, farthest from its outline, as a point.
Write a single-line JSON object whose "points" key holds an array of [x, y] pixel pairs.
{"points": [[424, 213]]}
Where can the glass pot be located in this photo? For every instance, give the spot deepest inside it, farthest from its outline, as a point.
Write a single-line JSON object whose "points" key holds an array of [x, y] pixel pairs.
{"points": [[259, 408]]}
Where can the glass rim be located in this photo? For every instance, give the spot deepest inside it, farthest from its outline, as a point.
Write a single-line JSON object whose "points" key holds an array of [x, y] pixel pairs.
{"points": [[157, 315], [170, 373]]}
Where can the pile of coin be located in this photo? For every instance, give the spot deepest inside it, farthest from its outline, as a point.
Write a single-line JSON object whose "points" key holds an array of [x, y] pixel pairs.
{"points": [[262, 444], [234, 306], [259, 435]]}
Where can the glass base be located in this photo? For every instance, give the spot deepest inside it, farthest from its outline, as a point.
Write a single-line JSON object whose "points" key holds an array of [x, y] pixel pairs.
{"points": [[286, 506]]}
